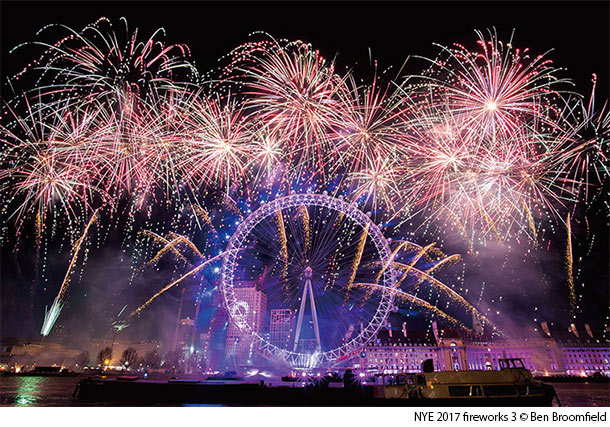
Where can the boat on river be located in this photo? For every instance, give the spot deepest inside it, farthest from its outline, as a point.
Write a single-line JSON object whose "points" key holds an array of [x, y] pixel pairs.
{"points": [[513, 385]]}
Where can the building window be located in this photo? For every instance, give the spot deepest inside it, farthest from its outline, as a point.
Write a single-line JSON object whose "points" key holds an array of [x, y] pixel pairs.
{"points": [[459, 390]]}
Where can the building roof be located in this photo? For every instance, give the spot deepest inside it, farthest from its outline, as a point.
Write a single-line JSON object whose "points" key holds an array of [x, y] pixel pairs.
{"points": [[576, 334], [398, 338]]}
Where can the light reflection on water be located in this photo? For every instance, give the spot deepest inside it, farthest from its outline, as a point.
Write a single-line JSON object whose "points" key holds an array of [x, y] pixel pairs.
{"points": [[28, 391], [37, 391], [54, 391], [51, 391]]}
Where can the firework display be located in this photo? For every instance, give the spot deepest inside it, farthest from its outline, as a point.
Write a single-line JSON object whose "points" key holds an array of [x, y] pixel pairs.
{"points": [[253, 173]]}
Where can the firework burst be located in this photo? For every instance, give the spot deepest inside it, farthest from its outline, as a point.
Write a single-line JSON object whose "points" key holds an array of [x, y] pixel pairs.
{"points": [[487, 139], [295, 91]]}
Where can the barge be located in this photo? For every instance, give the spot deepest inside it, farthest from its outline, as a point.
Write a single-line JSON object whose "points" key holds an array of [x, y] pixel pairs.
{"points": [[513, 385]]}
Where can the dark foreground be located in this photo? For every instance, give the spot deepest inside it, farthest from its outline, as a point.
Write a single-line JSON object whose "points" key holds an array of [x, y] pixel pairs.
{"points": [[48, 391], [322, 392]]}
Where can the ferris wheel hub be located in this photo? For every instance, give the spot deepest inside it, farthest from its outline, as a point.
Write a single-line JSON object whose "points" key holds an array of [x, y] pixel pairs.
{"points": [[308, 272]]}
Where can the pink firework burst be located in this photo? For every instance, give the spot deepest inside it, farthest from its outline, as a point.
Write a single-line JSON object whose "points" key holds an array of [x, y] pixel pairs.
{"points": [[498, 87], [294, 90]]}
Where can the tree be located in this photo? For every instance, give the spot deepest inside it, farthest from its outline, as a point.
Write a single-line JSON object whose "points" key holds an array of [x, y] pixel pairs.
{"points": [[129, 357], [83, 359], [195, 363], [152, 360], [174, 361], [104, 356]]}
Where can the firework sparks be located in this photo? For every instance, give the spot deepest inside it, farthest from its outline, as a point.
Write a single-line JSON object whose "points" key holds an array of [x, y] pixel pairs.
{"points": [[279, 220], [358, 257], [171, 245], [52, 314], [405, 296], [498, 87], [294, 91], [306, 229], [174, 283], [50, 317], [98, 62], [486, 139], [570, 266]]}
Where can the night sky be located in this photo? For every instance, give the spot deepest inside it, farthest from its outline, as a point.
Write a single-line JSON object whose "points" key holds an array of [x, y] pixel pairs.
{"points": [[578, 33]]}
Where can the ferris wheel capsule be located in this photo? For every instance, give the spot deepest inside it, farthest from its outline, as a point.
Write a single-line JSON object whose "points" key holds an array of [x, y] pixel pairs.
{"points": [[301, 261]]}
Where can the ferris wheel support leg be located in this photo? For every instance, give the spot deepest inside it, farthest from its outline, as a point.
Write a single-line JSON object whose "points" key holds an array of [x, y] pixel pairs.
{"points": [[300, 320], [314, 314]]}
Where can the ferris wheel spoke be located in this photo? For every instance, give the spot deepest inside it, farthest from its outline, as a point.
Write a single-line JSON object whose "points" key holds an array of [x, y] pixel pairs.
{"points": [[300, 253]]}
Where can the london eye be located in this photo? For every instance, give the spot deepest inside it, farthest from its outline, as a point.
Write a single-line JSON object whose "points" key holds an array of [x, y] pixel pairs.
{"points": [[304, 255]]}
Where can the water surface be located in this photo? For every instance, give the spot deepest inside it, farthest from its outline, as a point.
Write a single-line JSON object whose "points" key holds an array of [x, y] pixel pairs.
{"points": [[57, 391]]}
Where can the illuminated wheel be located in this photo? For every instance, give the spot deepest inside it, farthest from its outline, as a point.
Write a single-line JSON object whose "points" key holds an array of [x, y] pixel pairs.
{"points": [[293, 276]]}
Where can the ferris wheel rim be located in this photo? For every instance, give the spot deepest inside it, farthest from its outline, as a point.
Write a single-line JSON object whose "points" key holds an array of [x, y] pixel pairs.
{"points": [[352, 347]]}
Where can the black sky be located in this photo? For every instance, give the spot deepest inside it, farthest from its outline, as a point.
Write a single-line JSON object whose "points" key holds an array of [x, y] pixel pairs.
{"points": [[578, 31]]}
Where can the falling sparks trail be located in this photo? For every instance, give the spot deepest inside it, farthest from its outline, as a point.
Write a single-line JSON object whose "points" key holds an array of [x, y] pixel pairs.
{"points": [[203, 214], [64, 285], [530, 221], [175, 282], [357, 258], [52, 315], [187, 242], [166, 242], [305, 218], [170, 245], [413, 299], [456, 297], [284, 244], [570, 267], [407, 268]]}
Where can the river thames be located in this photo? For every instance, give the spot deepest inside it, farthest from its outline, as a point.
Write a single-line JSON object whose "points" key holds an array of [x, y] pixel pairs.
{"points": [[54, 391]]}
